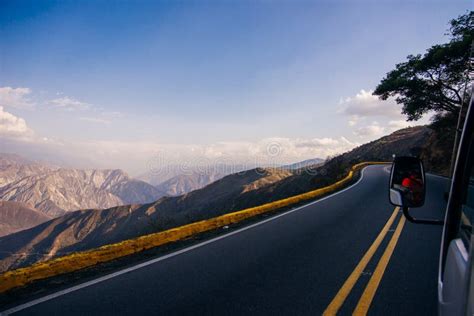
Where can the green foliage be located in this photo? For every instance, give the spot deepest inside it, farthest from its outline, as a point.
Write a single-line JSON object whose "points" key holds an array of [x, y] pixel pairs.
{"points": [[436, 80]]}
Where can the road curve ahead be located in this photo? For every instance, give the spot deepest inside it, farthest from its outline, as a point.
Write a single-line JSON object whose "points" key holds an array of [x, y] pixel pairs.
{"points": [[293, 264]]}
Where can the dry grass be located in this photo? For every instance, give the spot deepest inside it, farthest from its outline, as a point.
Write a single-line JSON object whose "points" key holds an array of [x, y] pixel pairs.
{"points": [[81, 260]]}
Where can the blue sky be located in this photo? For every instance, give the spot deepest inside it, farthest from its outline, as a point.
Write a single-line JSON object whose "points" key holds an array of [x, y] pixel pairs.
{"points": [[123, 80]]}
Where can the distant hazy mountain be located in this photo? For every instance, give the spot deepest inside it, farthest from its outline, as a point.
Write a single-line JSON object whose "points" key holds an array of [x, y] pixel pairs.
{"points": [[86, 229], [191, 180], [155, 178], [185, 183], [197, 175], [173, 180], [55, 191], [16, 216], [14, 167], [304, 164]]}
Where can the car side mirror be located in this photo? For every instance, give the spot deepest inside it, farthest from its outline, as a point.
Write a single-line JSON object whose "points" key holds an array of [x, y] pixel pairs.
{"points": [[407, 182], [407, 187]]}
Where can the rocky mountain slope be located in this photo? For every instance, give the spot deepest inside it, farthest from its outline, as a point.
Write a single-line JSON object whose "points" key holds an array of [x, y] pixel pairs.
{"points": [[55, 191], [16, 216], [185, 183], [175, 180], [14, 167], [190, 180], [91, 228]]}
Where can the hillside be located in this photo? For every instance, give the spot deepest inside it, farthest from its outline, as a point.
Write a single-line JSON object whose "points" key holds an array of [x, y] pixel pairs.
{"points": [[15, 216], [91, 228], [86, 229]]}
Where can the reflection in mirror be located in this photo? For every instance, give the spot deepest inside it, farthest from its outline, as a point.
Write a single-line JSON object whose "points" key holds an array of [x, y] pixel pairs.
{"points": [[407, 182]]}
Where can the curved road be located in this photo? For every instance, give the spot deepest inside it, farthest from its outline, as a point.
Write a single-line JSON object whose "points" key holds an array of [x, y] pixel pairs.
{"points": [[292, 264]]}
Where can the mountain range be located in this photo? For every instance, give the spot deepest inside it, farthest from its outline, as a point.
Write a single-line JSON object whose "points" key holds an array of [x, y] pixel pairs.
{"points": [[190, 181], [86, 229], [55, 191], [47, 189]]}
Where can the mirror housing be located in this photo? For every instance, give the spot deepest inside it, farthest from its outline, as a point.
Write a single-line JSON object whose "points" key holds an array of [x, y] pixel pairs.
{"points": [[407, 182]]}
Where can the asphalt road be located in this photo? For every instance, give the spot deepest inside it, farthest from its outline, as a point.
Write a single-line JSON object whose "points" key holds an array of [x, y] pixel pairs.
{"points": [[294, 264]]}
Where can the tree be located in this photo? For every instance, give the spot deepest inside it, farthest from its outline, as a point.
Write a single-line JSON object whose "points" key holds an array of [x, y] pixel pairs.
{"points": [[435, 81]]}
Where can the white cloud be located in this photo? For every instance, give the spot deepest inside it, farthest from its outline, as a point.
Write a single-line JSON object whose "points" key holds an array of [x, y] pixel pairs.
{"points": [[113, 114], [69, 104], [12, 126], [140, 156], [135, 155], [96, 120], [398, 124], [370, 130], [374, 129], [15, 97], [276, 149], [92, 113], [365, 104]]}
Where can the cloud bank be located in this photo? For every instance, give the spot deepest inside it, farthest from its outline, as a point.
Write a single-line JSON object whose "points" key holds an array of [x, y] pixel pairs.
{"points": [[365, 104], [12, 126], [16, 98], [69, 104], [136, 155], [362, 108]]}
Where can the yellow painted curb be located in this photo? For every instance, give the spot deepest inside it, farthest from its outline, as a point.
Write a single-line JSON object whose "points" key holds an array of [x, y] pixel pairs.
{"points": [[81, 260]]}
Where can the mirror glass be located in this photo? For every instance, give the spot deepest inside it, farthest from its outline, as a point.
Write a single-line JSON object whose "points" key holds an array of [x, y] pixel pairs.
{"points": [[407, 182]]}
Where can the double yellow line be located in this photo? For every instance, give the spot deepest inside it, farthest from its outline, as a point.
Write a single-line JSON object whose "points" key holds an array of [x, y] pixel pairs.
{"points": [[369, 292]]}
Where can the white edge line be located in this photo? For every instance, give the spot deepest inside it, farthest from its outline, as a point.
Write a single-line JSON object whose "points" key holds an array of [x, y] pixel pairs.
{"points": [[150, 262]]}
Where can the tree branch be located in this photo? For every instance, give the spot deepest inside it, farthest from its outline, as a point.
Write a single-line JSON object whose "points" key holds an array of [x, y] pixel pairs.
{"points": [[441, 84]]}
